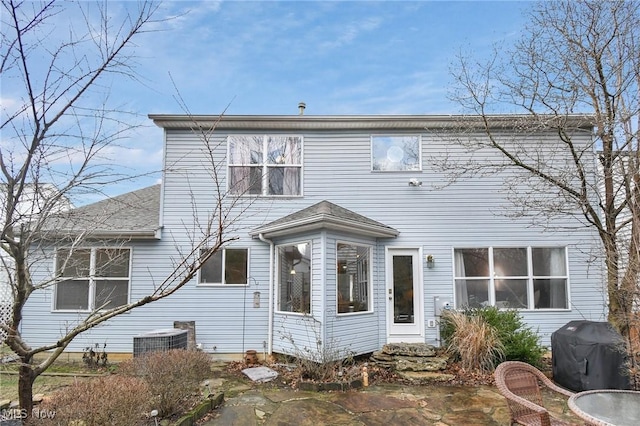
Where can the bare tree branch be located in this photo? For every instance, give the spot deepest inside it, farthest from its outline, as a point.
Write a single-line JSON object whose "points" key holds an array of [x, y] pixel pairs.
{"points": [[574, 57]]}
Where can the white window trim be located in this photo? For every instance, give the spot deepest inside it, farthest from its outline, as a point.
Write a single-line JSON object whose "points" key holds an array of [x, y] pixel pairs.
{"points": [[276, 307], [265, 166], [224, 266], [91, 278], [530, 296], [369, 284]]}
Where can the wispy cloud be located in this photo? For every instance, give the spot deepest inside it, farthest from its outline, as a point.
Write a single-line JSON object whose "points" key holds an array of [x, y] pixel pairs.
{"points": [[266, 56], [350, 32]]}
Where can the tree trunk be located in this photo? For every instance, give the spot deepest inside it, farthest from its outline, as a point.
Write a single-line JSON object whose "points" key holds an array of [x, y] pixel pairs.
{"points": [[25, 386]]}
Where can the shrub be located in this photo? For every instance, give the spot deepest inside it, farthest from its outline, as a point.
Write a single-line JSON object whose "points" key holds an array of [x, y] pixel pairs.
{"points": [[519, 342], [320, 361], [109, 400], [473, 341], [172, 376], [323, 364]]}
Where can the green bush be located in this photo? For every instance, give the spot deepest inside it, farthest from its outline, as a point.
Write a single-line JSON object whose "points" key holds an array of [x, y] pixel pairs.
{"points": [[519, 342], [173, 377]]}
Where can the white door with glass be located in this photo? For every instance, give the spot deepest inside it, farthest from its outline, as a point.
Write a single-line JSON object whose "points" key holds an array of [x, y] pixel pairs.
{"points": [[404, 296]]}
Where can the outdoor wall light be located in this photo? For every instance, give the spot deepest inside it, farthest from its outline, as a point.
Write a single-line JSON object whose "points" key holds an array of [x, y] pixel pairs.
{"points": [[430, 261], [415, 182]]}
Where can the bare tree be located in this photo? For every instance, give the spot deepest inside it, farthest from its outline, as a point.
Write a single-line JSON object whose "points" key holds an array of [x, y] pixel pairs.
{"points": [[54, 135], [574, 57]]}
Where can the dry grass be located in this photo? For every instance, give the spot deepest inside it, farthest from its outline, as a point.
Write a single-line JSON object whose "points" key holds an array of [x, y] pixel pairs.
{"points": [[474, 341]]}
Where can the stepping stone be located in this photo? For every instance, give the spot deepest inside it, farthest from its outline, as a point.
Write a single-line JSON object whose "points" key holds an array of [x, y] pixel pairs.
{"points": [[260, 374], [310, 412], [423, 376], [403, 416], [358, 402], [234, 416]]}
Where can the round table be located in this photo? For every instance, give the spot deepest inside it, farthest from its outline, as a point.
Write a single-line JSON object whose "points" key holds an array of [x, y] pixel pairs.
{"points": [[607, 407]]}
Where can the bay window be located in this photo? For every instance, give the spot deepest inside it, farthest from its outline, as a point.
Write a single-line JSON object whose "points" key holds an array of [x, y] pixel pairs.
{"points": [[294, 280], [353, 278], [265, 165], [517, 278], [92, 278]]}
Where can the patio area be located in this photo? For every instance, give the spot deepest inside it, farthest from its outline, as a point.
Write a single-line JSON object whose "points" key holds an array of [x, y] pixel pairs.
{"points": [[250, 403]]}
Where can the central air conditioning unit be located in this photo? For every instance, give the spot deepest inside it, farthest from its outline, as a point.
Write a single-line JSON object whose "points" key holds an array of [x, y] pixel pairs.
{"points": [[159, 341]]}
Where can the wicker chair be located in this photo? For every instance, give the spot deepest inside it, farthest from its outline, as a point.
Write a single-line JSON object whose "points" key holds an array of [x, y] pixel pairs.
{"points": [[519, 382]]}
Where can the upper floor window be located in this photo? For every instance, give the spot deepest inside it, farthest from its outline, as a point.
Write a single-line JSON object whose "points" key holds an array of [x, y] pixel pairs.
{"points": [[521, 278], [228, 266], [395, 153], [92, 278], [294, 281], [265, 165], [354, 283]]}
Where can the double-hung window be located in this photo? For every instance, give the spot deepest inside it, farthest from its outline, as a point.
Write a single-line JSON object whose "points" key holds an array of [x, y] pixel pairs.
{"points": [[395, 153], [354, 283], [265, 165], [228, 266], [514, 277], [294, 280], [92, 278]]}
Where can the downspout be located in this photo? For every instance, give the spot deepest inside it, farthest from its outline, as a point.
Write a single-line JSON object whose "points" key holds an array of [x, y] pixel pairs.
{"points": [[271, 286]]}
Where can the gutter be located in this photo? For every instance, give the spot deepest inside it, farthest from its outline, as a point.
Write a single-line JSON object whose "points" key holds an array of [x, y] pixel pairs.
{"points": [[148, 234], [271, 287], [358, 122]]}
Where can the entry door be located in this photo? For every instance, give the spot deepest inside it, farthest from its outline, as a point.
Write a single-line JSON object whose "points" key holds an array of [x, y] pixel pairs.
{"points": [[405, 313]]}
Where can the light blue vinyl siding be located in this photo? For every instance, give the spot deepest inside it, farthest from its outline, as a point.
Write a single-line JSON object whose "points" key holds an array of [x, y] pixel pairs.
{"points": [[337, 168]]}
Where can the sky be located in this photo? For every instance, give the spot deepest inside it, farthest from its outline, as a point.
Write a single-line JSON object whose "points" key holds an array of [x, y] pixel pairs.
{"points": [[244, 58]]}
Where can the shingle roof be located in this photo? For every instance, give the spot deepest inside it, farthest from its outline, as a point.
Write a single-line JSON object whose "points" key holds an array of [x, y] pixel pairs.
{"points": [[134, 214], [325, 215]]}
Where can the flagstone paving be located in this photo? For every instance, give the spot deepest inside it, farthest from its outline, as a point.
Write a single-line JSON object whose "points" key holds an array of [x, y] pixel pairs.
{"points": [[386, 404]]}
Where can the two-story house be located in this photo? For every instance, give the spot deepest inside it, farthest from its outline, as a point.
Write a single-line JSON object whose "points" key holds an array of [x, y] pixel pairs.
{"points": [[346, 236]]}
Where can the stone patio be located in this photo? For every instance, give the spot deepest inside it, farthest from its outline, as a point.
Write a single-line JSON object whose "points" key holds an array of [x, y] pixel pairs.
{"points": [[383, 404]]}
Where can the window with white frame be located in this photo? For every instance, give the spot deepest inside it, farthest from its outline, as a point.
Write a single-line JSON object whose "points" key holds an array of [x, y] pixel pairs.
{"points": [[265, 165], [512, 277], [227, 266], [294, 280], [92, 278], [395, 153], [354, 284]]}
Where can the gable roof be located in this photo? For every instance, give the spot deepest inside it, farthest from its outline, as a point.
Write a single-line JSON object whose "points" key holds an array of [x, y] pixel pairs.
{"points": [[135, 214], [325, 215]]}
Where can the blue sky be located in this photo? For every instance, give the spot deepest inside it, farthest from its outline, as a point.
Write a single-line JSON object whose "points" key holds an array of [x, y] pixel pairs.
{"points": [[356, 57]]}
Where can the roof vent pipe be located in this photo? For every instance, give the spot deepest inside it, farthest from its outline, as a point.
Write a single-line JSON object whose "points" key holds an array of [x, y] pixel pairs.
{"points": [[301, 107]]}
